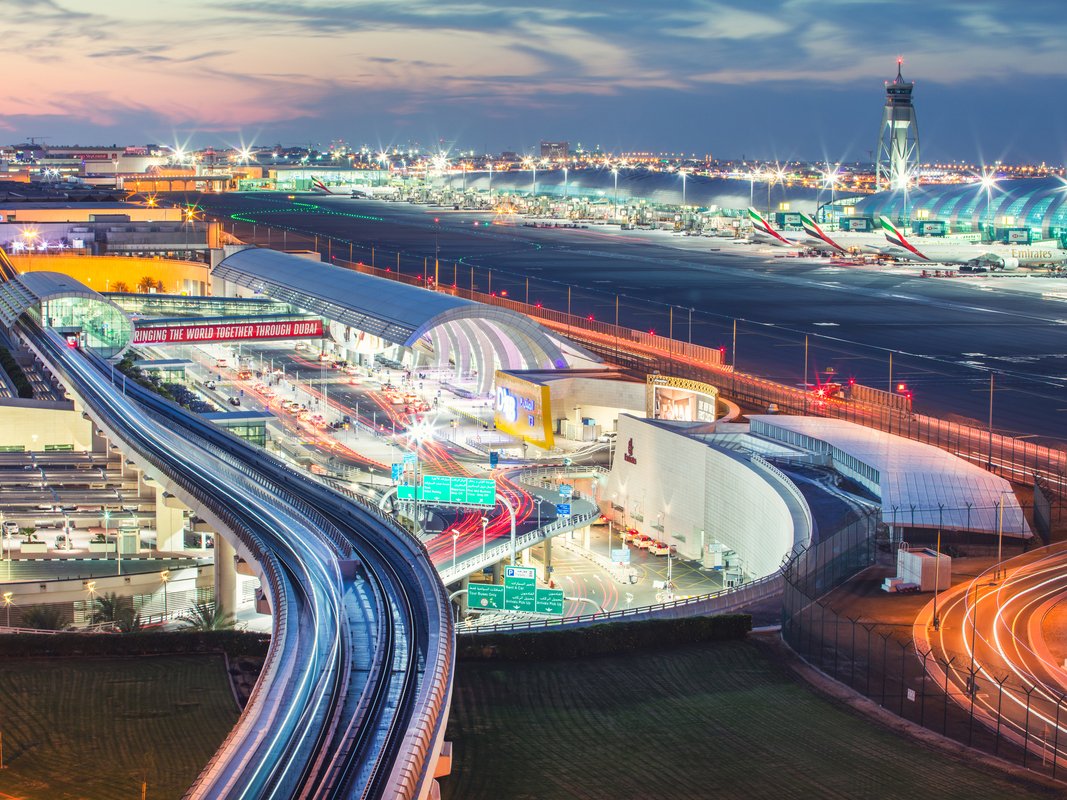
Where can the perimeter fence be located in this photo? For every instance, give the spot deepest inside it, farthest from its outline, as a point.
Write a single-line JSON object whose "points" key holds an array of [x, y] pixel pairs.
{"points": [[931, 678]]}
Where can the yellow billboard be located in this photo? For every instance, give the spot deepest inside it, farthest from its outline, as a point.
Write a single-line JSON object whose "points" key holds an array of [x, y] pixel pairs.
{"points": [[523, 408]]}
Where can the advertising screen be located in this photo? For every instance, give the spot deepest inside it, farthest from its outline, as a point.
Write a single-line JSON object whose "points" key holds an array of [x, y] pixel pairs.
{"points": [[680, 400], [522, 408]]}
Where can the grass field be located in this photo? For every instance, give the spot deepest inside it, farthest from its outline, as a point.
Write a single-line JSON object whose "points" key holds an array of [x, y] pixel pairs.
{"points": [[720, 720], [91, 729]]}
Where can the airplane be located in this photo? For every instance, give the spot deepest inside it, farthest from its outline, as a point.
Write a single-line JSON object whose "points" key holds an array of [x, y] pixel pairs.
{"points": [[993, 256], [319, 186], [843, 241], [762, 230]]}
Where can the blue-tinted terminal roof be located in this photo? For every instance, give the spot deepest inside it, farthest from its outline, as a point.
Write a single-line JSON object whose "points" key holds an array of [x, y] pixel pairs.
{"points": [[1036, 203]]}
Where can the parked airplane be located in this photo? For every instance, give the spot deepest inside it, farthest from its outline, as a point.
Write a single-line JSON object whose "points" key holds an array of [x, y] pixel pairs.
{"points": [[843, 241], [994, 256], [762, 230]]}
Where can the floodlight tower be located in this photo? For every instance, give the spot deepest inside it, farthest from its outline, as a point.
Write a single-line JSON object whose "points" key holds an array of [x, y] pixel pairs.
{"points": [[898, 143]]}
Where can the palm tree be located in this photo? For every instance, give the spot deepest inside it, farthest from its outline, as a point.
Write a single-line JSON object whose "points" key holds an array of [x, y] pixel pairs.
{"points": [[146, 284], [43, 618], [107, 607], [120, 286], [208, 617]]}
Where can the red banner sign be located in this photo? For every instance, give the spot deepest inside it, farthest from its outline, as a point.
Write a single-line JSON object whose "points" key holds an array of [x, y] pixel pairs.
{"points": [[192, 334]]}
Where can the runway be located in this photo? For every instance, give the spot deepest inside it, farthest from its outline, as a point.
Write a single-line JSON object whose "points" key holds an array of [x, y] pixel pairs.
{"points": [[946, 336]]}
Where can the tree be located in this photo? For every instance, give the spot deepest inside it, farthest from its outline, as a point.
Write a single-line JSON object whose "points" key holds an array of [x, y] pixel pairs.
{"points": [[120, 286], [43, 618], [146, 284], [107, 607], [208, 617]]}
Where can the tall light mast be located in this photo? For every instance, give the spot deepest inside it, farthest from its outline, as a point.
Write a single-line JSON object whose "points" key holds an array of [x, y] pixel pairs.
{"points": [[898, 142]]}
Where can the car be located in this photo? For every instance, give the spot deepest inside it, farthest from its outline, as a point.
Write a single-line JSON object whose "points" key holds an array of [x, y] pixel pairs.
{"points": [[643, 541], [324, 356], [658, 548], [235, 401], [11, 528], [221, 362], [601, 520], [209, 385], [244, 375], [630, 535]]}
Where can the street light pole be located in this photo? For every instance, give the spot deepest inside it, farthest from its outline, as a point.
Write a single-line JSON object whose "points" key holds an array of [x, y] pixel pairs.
{"points": [[615, 172], [165, 576], [485, 524], [455, 539]]}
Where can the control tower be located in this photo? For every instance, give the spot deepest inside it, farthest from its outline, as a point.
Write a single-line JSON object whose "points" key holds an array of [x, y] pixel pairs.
{"points": [[898, 142]]}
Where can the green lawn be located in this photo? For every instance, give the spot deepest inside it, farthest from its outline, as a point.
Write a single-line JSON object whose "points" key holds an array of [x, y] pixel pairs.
{"points": [[718, 720], [92, 729]]}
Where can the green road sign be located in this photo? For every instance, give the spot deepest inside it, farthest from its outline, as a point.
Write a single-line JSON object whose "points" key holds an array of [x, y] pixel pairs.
{"points": [[549, 601], [445, 490], [485, 595], [520, 594], [436, 489]]}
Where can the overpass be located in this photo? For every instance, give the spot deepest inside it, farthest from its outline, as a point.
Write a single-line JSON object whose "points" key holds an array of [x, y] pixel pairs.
{"points": [[354, 693]]}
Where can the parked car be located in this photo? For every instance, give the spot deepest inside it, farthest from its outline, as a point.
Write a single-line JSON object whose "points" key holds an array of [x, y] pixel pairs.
{"points": [[658, 548], [11, 528], [630, 535], [643, 541]]}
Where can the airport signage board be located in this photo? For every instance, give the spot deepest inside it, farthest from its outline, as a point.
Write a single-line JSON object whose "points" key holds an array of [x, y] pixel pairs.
{"points": [[563, 509], [520, 594], [621, 556], [526, 573], [397, 471], [227, 332], [549, 601], [566, 491], [485, 595]]}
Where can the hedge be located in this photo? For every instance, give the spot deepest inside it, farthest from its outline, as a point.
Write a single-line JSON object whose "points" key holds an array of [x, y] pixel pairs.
{"points": [[14, 371], [233, 643], [604, 639]]}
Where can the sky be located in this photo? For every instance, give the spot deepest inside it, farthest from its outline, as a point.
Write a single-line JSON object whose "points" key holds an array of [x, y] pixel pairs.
{"points": [[774, 79]]}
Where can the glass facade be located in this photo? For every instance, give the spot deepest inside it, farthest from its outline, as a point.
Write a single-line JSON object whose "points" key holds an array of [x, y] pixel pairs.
{"points": [[105, 328]]}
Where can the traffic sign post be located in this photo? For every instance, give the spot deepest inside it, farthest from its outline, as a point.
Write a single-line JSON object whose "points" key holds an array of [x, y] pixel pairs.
{"points": [[566, 491], [520, 594], [485, 595], [563, 509], [398, 470], [549, 601]]}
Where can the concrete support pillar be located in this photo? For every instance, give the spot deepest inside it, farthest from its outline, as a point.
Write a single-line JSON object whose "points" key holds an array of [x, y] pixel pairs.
{"points": [[498, 572], [170, 523], [526, 557], [585, 537], [144, 490], [548, 559], [462, 600], [225, 575]]}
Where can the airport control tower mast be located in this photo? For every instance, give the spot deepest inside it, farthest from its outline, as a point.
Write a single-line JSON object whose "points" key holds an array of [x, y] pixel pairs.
{"points": [[898, 143]]}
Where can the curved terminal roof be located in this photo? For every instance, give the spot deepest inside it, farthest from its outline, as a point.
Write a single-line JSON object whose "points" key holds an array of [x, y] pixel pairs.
{"points": [[471, 333], [66, 303], [1036, 203], [919, 485], [29, 289]]}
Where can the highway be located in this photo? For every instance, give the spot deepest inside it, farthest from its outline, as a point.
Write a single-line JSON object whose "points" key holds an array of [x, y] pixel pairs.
{"points": [[1007, 645], [354, 694]]}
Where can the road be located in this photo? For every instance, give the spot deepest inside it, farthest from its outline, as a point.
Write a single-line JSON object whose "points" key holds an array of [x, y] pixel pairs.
{"points": [[991, 631], [945, 335]]}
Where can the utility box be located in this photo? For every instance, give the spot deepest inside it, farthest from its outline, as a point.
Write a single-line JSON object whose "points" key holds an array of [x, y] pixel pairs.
{"points": [[922, 567]]}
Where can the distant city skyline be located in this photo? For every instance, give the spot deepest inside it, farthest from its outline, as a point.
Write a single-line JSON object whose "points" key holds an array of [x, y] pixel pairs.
{"points": [[793, 79]]}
